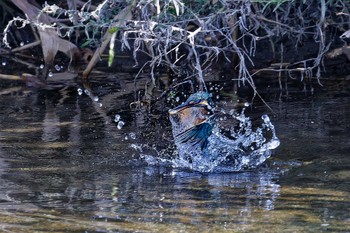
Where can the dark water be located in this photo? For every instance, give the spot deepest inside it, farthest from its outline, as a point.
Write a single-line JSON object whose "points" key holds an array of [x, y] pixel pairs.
{"points": [[66, 167]]}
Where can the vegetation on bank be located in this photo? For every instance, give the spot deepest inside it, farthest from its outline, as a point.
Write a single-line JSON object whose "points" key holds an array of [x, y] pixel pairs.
{"points": [[188, 37]]}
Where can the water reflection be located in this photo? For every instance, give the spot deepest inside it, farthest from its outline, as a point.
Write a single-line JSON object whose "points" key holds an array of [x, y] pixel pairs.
{"points": [[147, 195], [260, 186], [51, 129]]}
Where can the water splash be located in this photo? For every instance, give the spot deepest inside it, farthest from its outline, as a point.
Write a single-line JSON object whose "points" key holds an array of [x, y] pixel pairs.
{"points": [[244, 148], [120, 124], [57, 67], [116, 117], [87, 92], [132, 135], [241, 147], [80, 91], [95, 98]]}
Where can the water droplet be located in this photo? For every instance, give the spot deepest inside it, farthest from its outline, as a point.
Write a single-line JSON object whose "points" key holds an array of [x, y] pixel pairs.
{"points": [[57, 67], [41, 66], [80, 91], [245, 160], [274, 143], [116, 117], [3, 63], [100, 104], [87, 92], [246, 104], [120, 124], [21, 44], [265, 118], [217, 97], [50, 74], [126, 137], [132, 135], [177, 99], [95, 98]]}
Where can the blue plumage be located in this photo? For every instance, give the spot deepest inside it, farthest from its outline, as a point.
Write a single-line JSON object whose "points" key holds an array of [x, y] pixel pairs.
{"points": [[193, 120]]}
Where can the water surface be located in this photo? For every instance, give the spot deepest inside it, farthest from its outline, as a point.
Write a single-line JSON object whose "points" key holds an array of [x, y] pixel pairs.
{"points": [[65, 166]]}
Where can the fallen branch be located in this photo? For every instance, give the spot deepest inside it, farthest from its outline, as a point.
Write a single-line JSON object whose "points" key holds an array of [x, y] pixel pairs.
{"points": [[29, 79], [27, 46]]}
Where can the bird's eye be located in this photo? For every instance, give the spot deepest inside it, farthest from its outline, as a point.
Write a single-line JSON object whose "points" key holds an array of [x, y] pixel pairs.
{"points": [[175, 118]]}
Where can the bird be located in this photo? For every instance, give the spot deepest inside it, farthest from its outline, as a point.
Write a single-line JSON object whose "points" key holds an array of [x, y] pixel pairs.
{"points": [[202, 146], [193, 121]]}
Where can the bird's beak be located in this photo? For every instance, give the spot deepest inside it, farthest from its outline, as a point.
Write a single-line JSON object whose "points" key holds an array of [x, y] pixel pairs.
{"points": [[203, 103]]}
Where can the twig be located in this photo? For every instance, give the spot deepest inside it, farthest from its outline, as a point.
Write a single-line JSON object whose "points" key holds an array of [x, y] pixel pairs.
{"points": [[124, 15], [27, 46]]}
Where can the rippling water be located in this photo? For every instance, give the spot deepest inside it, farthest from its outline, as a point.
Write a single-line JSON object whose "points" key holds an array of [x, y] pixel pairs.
{"points": [[68, 165]]}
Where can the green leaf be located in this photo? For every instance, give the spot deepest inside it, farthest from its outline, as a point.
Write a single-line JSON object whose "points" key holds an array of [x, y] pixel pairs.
{"points": [[113, 30], [85, 44], [111, 49]]}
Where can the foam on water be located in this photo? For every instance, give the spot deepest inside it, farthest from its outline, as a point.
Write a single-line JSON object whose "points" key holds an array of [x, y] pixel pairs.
{"points": [[242, 148]]}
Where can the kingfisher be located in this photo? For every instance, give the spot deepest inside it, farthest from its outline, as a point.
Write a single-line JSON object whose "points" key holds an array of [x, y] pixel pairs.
{"points": [[203, 148], [193, 121]]}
